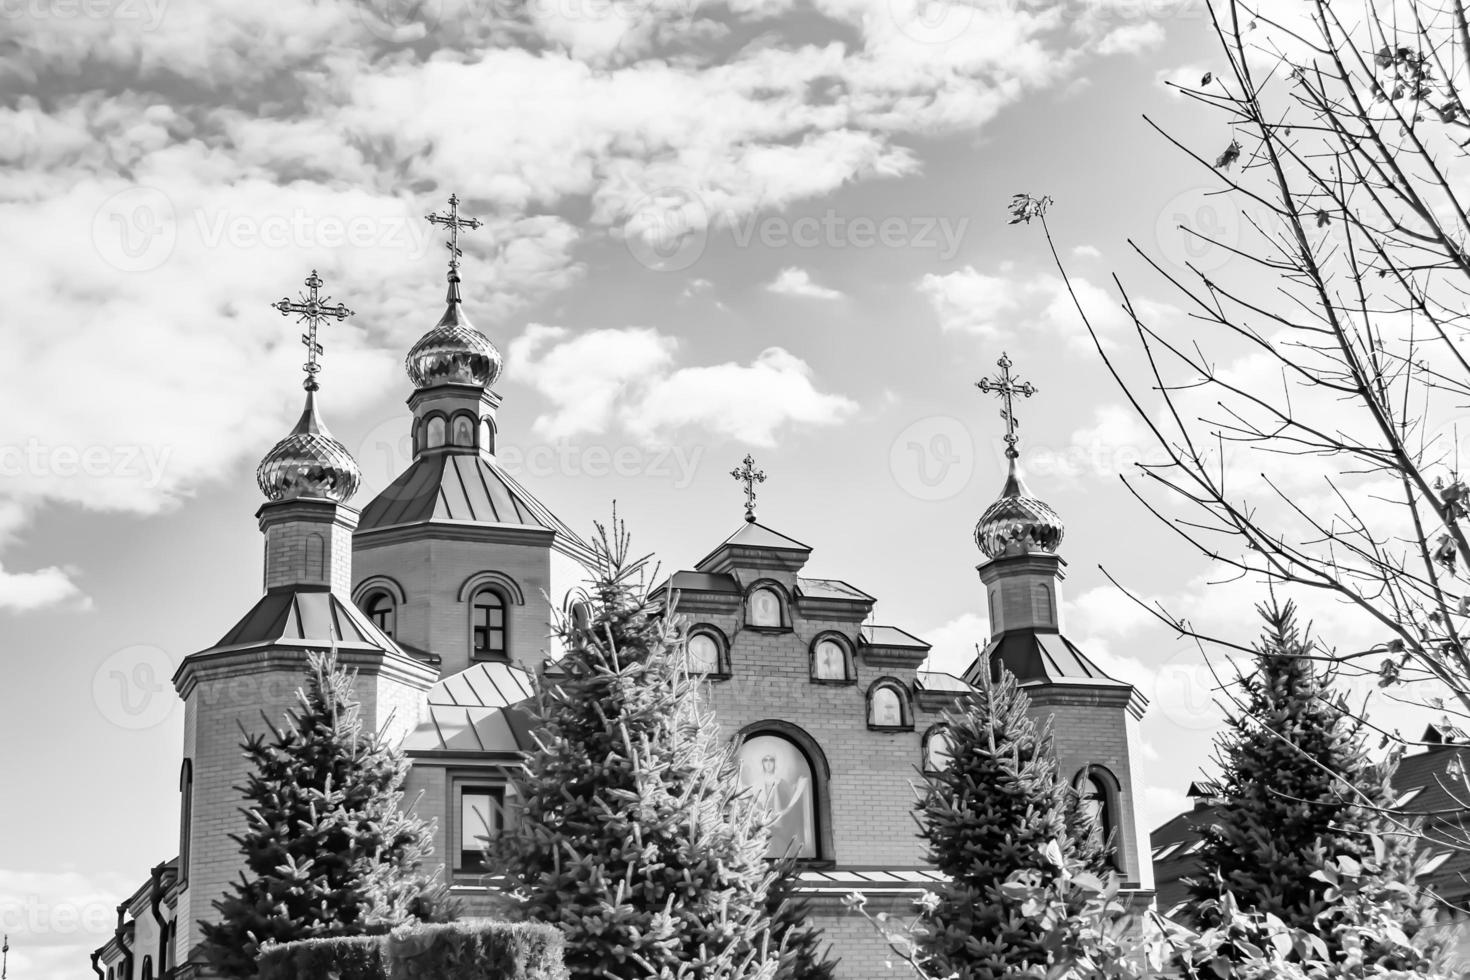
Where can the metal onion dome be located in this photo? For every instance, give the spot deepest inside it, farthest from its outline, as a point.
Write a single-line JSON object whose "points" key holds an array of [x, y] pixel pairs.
{"points": [[1018, 523], [309, 463]]}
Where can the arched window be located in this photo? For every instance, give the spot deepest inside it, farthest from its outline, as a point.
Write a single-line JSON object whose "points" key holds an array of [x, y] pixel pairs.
{"points": [[888, 705], [186, 816], [462, 432], [487, 436], [938, 749], [763, 608], [380, 608], [704, 652], [434, 434], [1097, 792], [831, 660], [487, 623], [779, 774], [147, 968], [1043, 603], [316, 557]]}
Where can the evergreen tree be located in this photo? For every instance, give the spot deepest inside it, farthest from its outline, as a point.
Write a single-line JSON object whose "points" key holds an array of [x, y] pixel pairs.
{"points": [[1092, 848], [805, 953], [633, 833], [1299, 792], [327, 848], [996, 810]]}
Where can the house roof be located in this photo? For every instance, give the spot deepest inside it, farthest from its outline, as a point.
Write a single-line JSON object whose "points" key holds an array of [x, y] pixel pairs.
{"points": [[304, 614], [940, 682], [469, 488], [890, 636], [753, 536], [476, 710], [830, 588], [1422, 784]]}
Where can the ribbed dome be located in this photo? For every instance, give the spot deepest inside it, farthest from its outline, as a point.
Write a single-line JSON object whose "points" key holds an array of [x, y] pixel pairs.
{"points": [[454, 352], [1018, 523], [308, 463]]}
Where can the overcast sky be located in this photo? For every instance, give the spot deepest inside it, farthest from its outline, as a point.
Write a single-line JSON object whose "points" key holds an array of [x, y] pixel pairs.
{"points": [[712, 227]]}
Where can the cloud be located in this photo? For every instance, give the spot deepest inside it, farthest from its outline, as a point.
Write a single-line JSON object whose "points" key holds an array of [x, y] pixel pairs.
{"points": [[954, 644], [1086, 252], [626, 378], [793, 281], [27, 591], [1132, 38], [56, 918]]}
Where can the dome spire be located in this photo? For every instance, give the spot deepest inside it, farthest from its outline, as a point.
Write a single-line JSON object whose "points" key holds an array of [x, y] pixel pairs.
{"points": [[309, 462], [1017, 523], [453, 352], [747, 474]]}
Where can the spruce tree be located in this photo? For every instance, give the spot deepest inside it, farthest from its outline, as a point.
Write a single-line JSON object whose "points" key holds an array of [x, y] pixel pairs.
{"points": [[632, 832], [1092, 848], [805, 953], [328, 850], [1299, 791], [996, 810]]}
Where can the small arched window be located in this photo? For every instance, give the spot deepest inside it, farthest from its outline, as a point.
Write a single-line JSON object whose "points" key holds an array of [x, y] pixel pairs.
{"points": [[888, 706], [487, 436], [380, 608], [434, 433], [1044, 611], [704, 652], [487, 623], [463, 431], [1098, 798], [938, 749], [764, 608], [186, 816], [831, 660], [316, 557]]}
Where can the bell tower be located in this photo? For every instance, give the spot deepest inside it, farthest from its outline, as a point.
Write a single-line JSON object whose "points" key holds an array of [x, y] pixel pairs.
{"points": [[1094, 716]]}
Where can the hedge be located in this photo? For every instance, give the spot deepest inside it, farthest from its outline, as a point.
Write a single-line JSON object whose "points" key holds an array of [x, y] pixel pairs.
{"points": [[450, 951]]}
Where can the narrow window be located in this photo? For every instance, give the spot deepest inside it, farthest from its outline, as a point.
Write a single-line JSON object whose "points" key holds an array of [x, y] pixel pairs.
{"points": [[316, 557], [488, 623], [829, 661], [463, 433], [765, 608], [381, 611], [435, 432], [480, 820], [703, 654]]}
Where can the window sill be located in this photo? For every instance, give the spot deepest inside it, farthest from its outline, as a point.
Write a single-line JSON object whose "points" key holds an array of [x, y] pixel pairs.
{"points": [[832, 682], [889, 728]]}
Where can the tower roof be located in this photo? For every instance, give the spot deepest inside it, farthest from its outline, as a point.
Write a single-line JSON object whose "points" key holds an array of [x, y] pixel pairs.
{"points": [[1018, 522], [309, 462]]}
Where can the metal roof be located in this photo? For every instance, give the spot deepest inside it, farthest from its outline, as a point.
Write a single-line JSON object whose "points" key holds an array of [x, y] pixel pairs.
{"points": [[1042, 655], [476, 710], [830, 588], [465, 487], [891, 636], [313, 614], [938, 680]]}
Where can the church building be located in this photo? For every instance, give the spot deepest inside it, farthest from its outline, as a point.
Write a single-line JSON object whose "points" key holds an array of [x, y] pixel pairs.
{"points": [[435, 593]]}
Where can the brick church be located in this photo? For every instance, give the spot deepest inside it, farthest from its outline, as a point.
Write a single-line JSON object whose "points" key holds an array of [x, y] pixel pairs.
{"points": [[435, 593]]}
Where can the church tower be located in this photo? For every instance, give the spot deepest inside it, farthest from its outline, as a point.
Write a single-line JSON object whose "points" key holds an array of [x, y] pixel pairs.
{"points": [[1094, 716], [454, 557], [253, 672]]}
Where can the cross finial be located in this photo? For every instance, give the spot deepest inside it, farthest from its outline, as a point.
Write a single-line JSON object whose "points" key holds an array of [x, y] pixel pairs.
{"points": [[454, 223], [747, 474], [313, 307], [1006, 387]]}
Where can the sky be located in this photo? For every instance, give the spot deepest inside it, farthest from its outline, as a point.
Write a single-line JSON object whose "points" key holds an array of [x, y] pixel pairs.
{"points": [[712, 227]]}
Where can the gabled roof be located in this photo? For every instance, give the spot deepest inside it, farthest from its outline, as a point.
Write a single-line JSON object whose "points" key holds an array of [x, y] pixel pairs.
{"points": [[476, 710], [305, 614], [754, 537], [469, 488]]}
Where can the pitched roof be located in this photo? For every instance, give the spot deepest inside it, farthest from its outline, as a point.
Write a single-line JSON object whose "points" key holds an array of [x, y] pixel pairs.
{"points": [[939, 681], [476, 710], [1043, 655], [891, 636], [830, 588], [753, 536], [470, 488], [304, 614]]}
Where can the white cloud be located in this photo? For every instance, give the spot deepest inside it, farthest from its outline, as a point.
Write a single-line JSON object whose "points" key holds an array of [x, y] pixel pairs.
{"points": [[626, 378], [1086, 252], [27, 591], [794, 281], [1132, 38], [955, 644]]}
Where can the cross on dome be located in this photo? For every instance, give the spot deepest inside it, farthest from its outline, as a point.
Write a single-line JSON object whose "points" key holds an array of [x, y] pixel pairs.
{"points": [[313, 307], [454, 223], [1006, 387], [747, 474]]}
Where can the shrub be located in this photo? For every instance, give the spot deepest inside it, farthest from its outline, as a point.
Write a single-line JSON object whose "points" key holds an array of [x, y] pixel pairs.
{"points": [[453, 951], [344, 957], [475, 951]]}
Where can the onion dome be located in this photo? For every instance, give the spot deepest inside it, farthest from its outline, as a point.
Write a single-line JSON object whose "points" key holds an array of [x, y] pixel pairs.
{"points": [[309, 463], [1018, 523], [454, 352]]}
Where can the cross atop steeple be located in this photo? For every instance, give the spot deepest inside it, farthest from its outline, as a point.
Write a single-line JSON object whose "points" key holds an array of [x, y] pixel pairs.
{"points": [[1006, 387], [313, 309], [747, 474], [454, 223]]}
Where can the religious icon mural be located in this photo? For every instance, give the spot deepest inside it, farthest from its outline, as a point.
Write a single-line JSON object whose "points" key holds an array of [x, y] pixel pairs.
{"points": [[831, 661], [885, 709], [938, 751], [778, 773], [765, 608], [703, 654]]}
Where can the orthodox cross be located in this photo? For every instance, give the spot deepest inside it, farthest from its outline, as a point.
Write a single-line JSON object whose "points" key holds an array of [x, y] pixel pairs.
{"points": [[313, 308], [747, 474], [454, 223], [1006, 387]]}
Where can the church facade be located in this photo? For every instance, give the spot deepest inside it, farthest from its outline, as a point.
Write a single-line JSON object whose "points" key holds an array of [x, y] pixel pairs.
{"points": [[435, 593]]}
